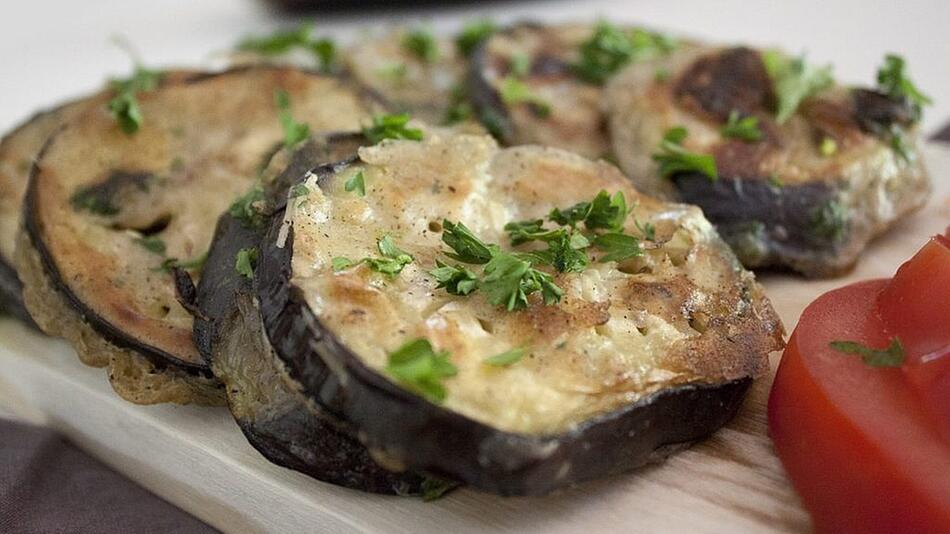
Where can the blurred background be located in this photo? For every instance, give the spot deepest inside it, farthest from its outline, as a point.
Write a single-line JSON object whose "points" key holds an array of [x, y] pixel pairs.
{"points": [[53, 49]]}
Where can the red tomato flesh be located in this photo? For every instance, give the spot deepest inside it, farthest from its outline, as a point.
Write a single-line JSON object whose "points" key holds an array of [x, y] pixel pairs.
{"points": [[857, 443]]}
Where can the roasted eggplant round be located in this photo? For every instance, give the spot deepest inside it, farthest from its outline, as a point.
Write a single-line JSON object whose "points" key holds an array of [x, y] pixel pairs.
{"points": [[276, 420], [801, 185], [602, 363], [109, 216]]}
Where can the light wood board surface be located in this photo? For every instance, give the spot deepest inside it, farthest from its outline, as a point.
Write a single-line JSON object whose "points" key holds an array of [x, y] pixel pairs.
{"points": [[197, 458]]}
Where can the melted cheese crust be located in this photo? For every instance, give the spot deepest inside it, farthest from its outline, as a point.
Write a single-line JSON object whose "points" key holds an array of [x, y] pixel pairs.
{"points": [[617, 333]]}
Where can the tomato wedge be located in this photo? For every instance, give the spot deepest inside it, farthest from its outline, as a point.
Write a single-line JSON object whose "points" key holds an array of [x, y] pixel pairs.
{"points": [[867, 447]]}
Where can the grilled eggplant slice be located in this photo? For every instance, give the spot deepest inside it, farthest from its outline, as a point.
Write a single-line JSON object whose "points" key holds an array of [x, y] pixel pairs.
{"points": [[106, 212], [808, 195], [637, 359], [528, 86], [278, 422], [411, 71]]}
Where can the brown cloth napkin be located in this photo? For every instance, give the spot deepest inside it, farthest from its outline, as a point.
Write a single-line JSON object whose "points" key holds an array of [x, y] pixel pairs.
{"points": [[47, 485]]}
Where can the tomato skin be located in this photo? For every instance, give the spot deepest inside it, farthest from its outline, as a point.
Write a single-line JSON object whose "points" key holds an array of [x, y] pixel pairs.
{"points": [[855, 441]]}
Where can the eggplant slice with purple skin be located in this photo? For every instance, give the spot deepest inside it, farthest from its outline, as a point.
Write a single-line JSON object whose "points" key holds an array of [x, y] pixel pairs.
{"points": [[807, 193], [526, 85], [102, 236], [638, 359], [229, 333]]}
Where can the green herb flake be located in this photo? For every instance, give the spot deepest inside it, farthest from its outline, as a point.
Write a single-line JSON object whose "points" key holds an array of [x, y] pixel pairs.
{"points": [[434, 488], [194, 264], [416, 365], [395, 72], [828, 147], [124, 105], [245, 261], [92, 200], [617, 246], [794, 80], [473, 34], [152, 244], [456, 280], [897, 139], [326, 53], [284, 41], [248, 208], [514, 91], [607, 212], [744, 128], [299, 190], [647, 229], [674, 159], [459, 110], [892, 356], [611, 48], [565, 252], [357, 183], [531, 230], [341, 263], [892, 79], [294, 132], [509, 279], [422, 44], [775, 182], [520, 64], [830, 220], [391, 127], [467, 247], [393, 258], [506, 358]]}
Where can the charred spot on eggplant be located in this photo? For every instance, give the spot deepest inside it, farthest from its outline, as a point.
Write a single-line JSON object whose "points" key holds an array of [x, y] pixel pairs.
{"points": [[518, 429], [112, 233], [845, 157], [229, 334]]}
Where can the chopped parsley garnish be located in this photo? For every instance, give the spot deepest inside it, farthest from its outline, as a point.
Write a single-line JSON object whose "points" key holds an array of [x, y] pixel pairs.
{"points": [[618, 247], [509, 279], [647, 229], [520, 64], [152, 244], [473, 34], [284, 41], [899, 144], [434, 488], [892, 79], [456, 280], [793, 81], [193, 264], [674, 159], [294, 132], [565, 252], [395, 72], [515, 91], [422, 44], [506, 358], [828, 147], [92, 200], [830, 220], [531, 230], [299, 190], [892, 356], [610, 48], [245, 261], [744, 128], [248, 208], [392, 260], [124, 105], [391, 127], [460, 110], [467, 247], [604, 211], [776, 182], [416, 365], [357, 183]]}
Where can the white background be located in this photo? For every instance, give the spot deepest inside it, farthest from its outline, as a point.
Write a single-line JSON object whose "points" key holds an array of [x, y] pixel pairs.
{"points": [[54, 49]]}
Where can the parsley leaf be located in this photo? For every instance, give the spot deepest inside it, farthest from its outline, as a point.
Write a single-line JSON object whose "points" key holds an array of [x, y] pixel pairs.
{"points": [[356, 183], [794, 81], [394, 259], [395, 72], [892, 356], [473, 34], [467, 247], [899, 143], [509, 280], [422, 44], [829, 220], [91, 199], [245, 261], [194, 264], [294, 132], [892, 79], [565, 252], [531, 230], [124, 105], [152, 244], [456, 280], [325, 51], [416, 364], [618, 247], [647, 229], [610, 48], [248, 208], [515, 91], [607, 212], [299, 190], [828, 147], [391, 127], [460, 110], [340, 263], [506, 358], [675, 159], [520, 64], [434, 488], [284, 41], [745, 128]]}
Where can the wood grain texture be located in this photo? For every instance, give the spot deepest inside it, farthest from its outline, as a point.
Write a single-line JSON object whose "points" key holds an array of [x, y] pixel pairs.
{"points": [[197, 458]]}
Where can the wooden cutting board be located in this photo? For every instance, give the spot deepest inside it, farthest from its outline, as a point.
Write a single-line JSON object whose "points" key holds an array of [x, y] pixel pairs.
{"points": [[197, 458]]}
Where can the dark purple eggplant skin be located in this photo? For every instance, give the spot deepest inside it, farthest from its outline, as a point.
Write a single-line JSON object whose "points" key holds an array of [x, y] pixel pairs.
{"points": [[408, 430], [285, 430], [11, 295]]}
